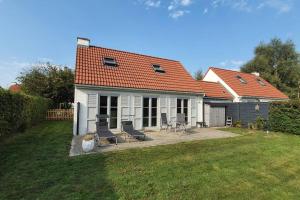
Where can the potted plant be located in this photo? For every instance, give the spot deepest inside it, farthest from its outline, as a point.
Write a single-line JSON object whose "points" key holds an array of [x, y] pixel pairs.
{"points": [[88, 143]]}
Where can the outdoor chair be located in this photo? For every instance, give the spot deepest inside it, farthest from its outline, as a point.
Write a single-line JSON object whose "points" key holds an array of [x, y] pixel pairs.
{"points": [[164, 122], [104, 132], [127, 127], [180, 122]]}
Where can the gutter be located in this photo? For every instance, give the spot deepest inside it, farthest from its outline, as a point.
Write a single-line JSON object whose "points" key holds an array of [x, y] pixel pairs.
{"points": [[257, 97], [94, 87]]}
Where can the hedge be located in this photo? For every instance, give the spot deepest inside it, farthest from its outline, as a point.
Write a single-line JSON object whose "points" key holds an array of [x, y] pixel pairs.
{"points": [[19, 111], [285, 116]]}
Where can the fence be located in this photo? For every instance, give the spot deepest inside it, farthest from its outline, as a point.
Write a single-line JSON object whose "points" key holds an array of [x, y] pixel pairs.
{"points": [[60, 114]]}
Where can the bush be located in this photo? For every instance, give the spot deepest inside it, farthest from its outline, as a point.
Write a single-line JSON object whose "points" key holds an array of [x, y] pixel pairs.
{"points": [[260, 123], [237, 124], [285, 116], [19, 111]]}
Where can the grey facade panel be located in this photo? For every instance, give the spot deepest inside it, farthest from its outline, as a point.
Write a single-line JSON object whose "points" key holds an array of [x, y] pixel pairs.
{"points": [[246, 112]]}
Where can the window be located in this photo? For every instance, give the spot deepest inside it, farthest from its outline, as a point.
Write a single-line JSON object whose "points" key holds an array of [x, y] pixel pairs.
{"points": [[145, 112], [260, 82], [153, 111], [149, 112], [158, 68], [113, 112], [103, 106], [241, 79], [110, 109], [110, 61], [182, 107]]}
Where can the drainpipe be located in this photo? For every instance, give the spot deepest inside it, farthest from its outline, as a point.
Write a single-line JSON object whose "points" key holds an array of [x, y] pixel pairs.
{"points": [[78, 112]]}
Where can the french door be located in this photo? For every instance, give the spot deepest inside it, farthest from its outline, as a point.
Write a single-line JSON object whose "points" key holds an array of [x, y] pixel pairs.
{"points": [[149, 112], [182, 107], [109, 106]]}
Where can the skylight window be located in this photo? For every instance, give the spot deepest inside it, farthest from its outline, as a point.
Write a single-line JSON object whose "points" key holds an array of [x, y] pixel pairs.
{"points": [[158, 68], [241, 79], [260, 82], [110, 61]]}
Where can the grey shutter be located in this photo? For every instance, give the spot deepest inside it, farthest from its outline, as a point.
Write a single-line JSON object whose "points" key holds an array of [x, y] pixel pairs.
{"points": [[193, 112], [92, 107], [138, 117]]}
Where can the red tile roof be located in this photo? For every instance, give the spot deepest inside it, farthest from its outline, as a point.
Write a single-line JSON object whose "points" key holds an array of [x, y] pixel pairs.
{"points": [[15, 88], [214, 90], [133, 71], [252, 88]]}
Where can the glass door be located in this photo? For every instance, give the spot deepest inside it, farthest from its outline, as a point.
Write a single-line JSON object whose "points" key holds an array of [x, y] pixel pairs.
{"points": [[109, 106], [149, 112], [182, 107]]}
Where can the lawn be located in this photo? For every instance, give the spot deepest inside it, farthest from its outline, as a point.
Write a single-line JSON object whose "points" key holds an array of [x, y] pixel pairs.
{"points": [[35, 165]]}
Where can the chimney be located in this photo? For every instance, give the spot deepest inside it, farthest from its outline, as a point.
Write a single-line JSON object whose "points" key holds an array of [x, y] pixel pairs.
{"points": [[256, 74], [83, 42]]}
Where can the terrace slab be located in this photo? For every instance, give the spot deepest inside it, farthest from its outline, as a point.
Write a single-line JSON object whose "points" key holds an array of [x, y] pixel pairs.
{"points": [[152, 139]]}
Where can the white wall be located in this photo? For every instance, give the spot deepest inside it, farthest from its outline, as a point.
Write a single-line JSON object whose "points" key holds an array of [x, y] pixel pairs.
{"points": [[213, 77], [131, 103], [80, 96]]}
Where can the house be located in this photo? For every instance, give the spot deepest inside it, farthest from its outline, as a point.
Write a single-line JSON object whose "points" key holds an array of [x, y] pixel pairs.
{"points": [[15, 88], [136, 87], [244, 87], [215, 96], [250, 96], [131, 86]]}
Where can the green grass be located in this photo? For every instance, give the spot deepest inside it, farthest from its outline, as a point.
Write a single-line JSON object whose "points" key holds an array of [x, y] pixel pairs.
{"points": [[35, 165]]}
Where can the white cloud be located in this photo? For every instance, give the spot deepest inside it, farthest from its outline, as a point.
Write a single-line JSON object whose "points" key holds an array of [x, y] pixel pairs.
{"points": [[151, 3], [176, 8], [10, 69], [235, 64], [185, 2], [205, 11], [178, 13], [282, 6]]}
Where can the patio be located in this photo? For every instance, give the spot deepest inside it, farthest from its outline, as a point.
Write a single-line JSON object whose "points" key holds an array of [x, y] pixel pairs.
{"points": [[153, 138]]}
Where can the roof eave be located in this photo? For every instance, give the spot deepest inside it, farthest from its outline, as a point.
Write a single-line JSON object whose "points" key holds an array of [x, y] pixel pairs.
{"points": [[94, 87]]}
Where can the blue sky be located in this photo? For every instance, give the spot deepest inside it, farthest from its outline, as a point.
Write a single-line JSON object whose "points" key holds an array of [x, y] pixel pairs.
{"points": [[199, 33]]}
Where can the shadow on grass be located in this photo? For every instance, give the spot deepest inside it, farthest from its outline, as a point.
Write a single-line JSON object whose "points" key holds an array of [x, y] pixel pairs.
{"points": [[36, 165]]}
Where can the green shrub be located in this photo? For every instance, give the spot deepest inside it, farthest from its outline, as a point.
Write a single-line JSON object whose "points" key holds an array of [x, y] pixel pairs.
{"points": [[237, 124], [260, 123], [19, 111], [285, 116]]}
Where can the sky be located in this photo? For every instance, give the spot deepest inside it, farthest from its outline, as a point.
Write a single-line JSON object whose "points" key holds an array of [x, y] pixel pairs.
{"points": [[199, 33]]}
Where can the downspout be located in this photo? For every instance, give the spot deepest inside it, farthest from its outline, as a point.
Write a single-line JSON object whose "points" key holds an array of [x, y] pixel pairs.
{"points": [[78, 112]]}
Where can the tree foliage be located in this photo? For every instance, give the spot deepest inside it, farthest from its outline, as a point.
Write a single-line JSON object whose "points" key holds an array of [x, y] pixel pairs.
{"points": [[50, 81], [198, 75], [278, 63]]}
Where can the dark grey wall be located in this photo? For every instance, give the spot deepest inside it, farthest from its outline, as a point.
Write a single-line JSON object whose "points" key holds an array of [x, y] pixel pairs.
{"points": [[244, 112]]}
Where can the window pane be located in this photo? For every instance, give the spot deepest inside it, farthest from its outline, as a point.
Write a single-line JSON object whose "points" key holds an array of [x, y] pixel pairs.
{"points": [[114, 101], [113, 112], [145, 122], [153, 121], [153, 112], [146, 102], [154, 102], [146, 112], [103, 110], [185, 103], [178, 103], [113, 122], [185, 111], [178, 110], [103, 100]]}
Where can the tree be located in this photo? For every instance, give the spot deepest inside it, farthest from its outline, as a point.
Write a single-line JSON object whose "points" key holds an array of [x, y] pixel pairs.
{"points": [[278, 63], [50, 81], [198, 75]]}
